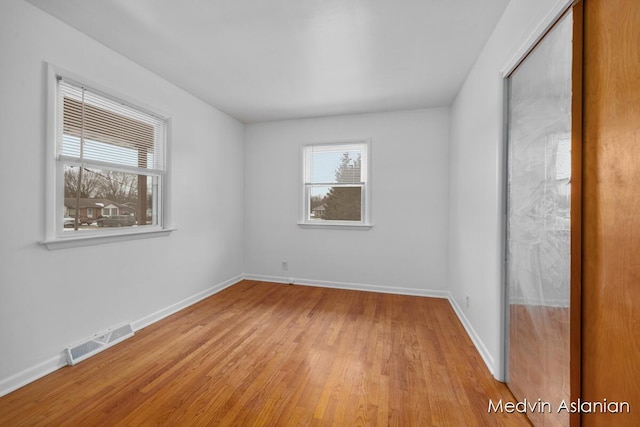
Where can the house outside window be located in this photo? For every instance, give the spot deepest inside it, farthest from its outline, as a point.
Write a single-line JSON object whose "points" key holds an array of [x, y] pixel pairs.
{"points": [[336, 184]]}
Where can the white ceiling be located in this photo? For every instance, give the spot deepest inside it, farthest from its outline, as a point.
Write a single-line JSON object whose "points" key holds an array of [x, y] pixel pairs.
{"points": [[261, 60]]}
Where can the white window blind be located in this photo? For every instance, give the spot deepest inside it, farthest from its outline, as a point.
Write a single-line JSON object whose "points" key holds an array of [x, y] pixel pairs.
{"points": [[101, 131], [335, 164]]}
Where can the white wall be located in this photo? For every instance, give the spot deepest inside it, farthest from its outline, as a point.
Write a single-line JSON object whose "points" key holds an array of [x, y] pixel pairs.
{"points": [[49, 300], [405, 251], [476, 178]]}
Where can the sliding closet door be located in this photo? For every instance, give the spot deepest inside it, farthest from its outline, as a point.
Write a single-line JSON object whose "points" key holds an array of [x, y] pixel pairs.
{"points": [[611, 257], [538, 246]]}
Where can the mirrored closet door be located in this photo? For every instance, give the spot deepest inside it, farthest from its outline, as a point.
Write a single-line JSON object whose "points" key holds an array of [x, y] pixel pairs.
{"points": [[538, 224]]}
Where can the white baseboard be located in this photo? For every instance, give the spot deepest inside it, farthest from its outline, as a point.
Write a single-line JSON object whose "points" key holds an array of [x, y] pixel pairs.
{"points": [[14, 382], [433, 293], [539, 302], [174, 308], [475, 338]]}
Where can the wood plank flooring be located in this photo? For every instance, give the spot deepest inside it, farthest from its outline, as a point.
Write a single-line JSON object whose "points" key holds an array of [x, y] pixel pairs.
{"points": [[539, 359], [264, 354]]}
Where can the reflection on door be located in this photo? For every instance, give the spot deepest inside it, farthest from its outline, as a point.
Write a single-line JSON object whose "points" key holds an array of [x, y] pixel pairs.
{"points": [[538, 224]]}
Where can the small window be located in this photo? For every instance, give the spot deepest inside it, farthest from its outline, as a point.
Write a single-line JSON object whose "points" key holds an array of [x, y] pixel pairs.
{"points": [[110, 160], [336, 184]]}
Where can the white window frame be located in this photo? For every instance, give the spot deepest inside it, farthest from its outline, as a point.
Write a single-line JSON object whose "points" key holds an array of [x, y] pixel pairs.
{"points": [[55, 236], [305, 205]]}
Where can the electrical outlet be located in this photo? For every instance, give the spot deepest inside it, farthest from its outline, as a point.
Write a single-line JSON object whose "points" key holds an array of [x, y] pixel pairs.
{"points": [[285, 266], [467, 301]]}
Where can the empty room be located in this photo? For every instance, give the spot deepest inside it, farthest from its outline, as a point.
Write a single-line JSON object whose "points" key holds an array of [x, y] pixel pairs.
{"points": [[321, 212]]}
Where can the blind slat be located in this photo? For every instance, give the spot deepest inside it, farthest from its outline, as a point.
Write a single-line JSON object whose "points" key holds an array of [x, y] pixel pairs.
{"points": [[339, 163], [113, 132]]}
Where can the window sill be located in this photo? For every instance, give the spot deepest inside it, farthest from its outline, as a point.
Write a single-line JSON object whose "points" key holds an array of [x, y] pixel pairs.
{"points": [[335, 225], [99, 239]]}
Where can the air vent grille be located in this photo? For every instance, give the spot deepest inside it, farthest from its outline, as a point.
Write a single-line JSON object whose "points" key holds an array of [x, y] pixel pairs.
{"points": [[97, 343]]}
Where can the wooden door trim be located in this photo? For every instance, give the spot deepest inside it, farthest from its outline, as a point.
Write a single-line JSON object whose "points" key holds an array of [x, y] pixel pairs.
{"points": [[575, 313]]}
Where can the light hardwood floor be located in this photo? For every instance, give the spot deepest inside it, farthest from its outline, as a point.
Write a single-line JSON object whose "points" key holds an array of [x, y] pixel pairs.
{"points": [[278, 355], [539, 359]]}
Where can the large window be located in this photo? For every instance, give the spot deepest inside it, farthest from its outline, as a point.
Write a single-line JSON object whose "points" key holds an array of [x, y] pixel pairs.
{"points": [[336, 184], [109, 164]]}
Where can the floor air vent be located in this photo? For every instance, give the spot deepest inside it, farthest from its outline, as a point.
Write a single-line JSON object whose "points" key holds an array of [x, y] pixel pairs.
{"points": [[96, 344]]}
